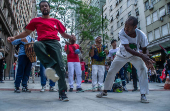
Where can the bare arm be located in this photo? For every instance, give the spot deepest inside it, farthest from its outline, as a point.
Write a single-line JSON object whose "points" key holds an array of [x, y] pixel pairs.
{"points": [[67, 50], [144, 56], [92, 51], [22, 35], [65, 35]]}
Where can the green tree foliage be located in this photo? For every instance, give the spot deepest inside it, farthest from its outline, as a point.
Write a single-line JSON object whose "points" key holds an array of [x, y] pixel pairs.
{"points": [[78, 17]]}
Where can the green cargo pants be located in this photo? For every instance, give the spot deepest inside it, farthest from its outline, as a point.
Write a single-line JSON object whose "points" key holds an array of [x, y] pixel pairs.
{"points": [[55, 61]]}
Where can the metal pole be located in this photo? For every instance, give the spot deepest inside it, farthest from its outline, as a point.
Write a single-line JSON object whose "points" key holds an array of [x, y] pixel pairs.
{"points": [[102, 25]]}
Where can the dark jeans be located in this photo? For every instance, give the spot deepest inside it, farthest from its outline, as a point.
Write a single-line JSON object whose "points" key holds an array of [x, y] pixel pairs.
{"points": [[122, 76], [14, 74], [23, 71], [55, 61], [158, 79], [43, 78], [134, 77], [83, 75]]}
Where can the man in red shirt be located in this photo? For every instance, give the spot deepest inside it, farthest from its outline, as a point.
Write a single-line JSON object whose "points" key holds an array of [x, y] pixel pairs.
{"points": [[72, 51], [47, 29], [83, 69]]}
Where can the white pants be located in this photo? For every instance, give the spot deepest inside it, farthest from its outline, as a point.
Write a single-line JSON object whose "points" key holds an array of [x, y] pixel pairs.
{"points": [[77, 67], [118, 63], [97, 69]]}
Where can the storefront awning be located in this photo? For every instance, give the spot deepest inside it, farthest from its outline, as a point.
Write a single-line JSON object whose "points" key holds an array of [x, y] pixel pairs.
{"points": [[164, 42]]}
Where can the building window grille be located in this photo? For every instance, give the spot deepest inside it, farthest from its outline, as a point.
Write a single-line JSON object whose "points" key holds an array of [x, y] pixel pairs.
{"points": [[157, 33], [164, 30], [120, 9], [128, 3], [162, 12], [150, 36], [148, 20], [153, 2], [118, 25], [147, 5], [137, 11], [155, 16], [110, 8], [129, 14], [121, 21]]}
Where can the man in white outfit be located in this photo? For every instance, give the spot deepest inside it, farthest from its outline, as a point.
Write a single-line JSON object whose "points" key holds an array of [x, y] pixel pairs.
{"points": [[97, 53], [131, 40], [72, 51]]}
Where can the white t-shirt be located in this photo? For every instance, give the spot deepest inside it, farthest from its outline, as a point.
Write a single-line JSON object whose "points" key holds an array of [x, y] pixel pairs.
{"points": [[134, 43], [112, 52]]}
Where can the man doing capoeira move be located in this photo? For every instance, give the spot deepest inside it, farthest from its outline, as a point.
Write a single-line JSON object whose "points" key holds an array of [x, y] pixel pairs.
{"points": [[47, 29], [131, 39]]}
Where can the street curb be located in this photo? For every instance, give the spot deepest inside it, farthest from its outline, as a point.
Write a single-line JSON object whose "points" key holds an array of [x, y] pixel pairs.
{"points": [[4, 89]]}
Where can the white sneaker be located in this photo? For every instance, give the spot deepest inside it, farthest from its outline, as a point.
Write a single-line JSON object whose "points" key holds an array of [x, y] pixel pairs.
{"points": [[52, 89], [51, 74], [101, 94], [143, 99], [43, 89]]}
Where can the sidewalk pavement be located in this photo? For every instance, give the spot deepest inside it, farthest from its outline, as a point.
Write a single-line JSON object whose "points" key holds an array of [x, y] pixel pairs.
{"points": [[9, 85], [84, 101]]}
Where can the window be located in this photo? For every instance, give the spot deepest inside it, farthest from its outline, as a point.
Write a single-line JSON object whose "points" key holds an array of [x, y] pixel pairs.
{"points": [[161, 11], [150, 36], [111, 8], [148, 20], [164, 30], [147, 5], [153, 1], [157, 33], [137, 11], [168, 8], [121, 21], [155, 16], [120, 9], [118, 25], [111, 30], [129, 14], [128, 3], [138, 26]]}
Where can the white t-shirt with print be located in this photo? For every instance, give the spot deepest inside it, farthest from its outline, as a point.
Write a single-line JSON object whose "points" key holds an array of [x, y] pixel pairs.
{"points": [[135, 43], [112, 52]]}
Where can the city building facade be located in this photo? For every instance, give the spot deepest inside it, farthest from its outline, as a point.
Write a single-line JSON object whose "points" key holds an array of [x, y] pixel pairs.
{"points": [[157, 13], [117, 12], [14, 15]]}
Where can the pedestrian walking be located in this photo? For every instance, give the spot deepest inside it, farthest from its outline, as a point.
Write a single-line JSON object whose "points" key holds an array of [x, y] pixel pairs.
{"points": [[83, 64]]}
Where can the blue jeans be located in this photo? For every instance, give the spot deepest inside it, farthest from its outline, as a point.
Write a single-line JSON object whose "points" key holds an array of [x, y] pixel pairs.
{"points": [[43, 78], [23, 71]]}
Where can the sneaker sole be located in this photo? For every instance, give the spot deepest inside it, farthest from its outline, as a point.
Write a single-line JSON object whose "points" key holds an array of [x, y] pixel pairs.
{"points": [[51, 74], [64, 100], [144, 101]]}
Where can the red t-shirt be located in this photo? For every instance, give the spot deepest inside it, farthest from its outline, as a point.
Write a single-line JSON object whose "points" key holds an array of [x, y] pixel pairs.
{"points": [[46, 28], [72, 56], [82, 65]]}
